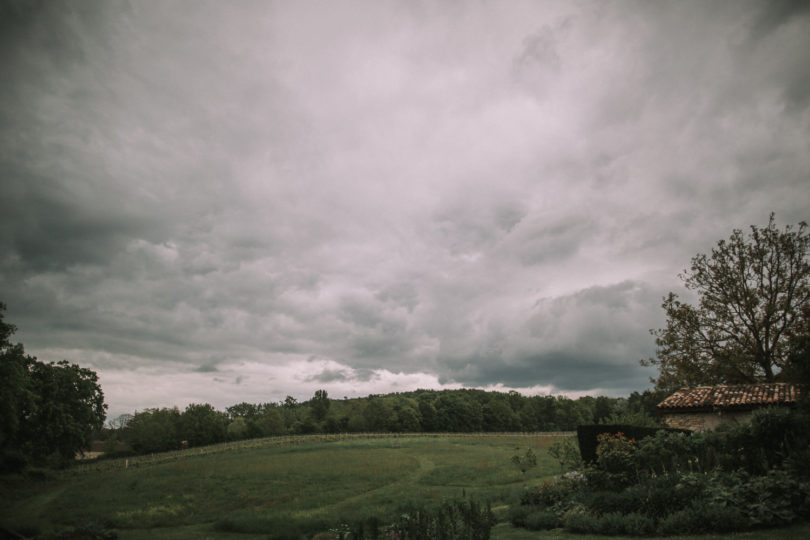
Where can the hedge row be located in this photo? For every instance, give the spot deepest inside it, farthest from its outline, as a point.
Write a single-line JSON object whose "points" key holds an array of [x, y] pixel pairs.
{"points": [[587, 436]]}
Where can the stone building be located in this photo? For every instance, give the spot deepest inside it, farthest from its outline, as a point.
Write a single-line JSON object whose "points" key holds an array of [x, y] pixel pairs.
{"points": [[706, 407]]}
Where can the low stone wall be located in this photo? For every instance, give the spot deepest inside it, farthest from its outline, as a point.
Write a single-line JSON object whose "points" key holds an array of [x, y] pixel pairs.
{"points": [[699, 421]]}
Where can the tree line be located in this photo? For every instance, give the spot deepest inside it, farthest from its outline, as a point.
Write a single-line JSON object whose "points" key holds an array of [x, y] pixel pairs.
{"points": [[445, 411]]}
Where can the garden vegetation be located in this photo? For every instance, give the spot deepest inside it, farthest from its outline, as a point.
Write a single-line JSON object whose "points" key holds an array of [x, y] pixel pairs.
{"points": [[743, 477]]}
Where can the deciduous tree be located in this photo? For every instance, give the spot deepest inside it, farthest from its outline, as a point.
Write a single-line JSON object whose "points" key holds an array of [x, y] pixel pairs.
{"points": [[319, 405], [48, 412], [750, 291]]}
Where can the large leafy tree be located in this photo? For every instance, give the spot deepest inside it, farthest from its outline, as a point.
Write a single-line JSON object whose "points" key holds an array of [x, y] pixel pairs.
{"points": [[319, 405], [68, 408], [201, 424], [16, 395], [154, 430], [751, 291], [48, 412]]}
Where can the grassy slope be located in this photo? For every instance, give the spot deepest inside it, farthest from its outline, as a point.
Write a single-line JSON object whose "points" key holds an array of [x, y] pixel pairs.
{"points": [[269, 486], [264, 485]]}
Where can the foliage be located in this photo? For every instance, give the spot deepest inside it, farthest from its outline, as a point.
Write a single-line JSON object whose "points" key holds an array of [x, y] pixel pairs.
{"points": [[451, 521], [458, 413], [774, 498], [201, 424], [526, 461], [497, 415], [154, 430], [542, 520], [746, 476], [268, 424], [587, 436], [615, 460], [319, 404], [90, 531], [567, 454], [772, 437], [48, 412], [238, 429], [68, 407], [638, 418], [750, 294], [559, 495]]}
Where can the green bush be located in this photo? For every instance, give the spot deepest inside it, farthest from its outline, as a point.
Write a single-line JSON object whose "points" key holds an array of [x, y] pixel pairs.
{"points": [[567, 454], [636, 524], [616, 457], [686, 521], [580, 521], [723, 519], [742, 477], [623, 502], [469, 520], [542, 520], [554, 494], [90, 531], [587, 436], [518, 514], [775, 498], [611, 523]]}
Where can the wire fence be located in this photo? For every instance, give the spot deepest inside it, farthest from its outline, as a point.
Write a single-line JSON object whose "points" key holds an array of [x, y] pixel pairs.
{"points": [[103, 465]]}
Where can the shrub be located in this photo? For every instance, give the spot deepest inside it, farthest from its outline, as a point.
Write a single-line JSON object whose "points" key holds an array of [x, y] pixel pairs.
{"points": [[636, 524], [587, 436], [452, 520], [559, 495], [615, 458], [90, 531], [611, 523], [775, 498], [623, 502], [723, 519], [518, 514], [685, 521], [542, 520], [578, 520], [664, 453], [567, 454]]}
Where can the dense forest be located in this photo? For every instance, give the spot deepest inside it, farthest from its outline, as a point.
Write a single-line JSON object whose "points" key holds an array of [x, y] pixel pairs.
{"points": [[452, 411]]}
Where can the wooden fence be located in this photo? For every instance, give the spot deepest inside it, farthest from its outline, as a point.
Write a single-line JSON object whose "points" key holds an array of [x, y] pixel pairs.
{"points": [[281, 440]]}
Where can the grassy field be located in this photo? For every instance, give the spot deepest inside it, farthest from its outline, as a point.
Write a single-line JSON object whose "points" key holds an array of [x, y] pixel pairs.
{"points": [[270, 484], [246, 490]]}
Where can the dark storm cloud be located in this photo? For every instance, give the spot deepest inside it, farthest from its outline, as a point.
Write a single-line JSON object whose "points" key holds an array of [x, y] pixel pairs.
{"points": [[773, 15], [564, 371], [598, 331], [375, 195]]}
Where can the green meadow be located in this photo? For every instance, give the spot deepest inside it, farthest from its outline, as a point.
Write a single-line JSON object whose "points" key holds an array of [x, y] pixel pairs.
{"points": [[304, 484], [297, 485]]}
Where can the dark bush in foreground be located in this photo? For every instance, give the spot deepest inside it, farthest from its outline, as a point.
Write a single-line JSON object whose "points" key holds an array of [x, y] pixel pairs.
{"points": [[90, 531], [451, 521], [745, 477], [542, 520], [587, 436]]}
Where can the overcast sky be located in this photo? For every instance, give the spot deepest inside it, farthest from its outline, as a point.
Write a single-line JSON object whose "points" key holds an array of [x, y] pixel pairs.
{"points": [[236, 201]]}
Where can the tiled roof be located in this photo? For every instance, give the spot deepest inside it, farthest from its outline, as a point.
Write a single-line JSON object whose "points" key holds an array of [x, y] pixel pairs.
{"points": [[731, 397]]}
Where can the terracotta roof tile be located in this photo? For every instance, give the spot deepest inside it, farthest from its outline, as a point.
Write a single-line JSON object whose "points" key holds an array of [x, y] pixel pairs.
{"points": [[730, 397]]}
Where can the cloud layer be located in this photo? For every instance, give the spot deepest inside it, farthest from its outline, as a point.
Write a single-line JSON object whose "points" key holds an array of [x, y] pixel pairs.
{"points": [[217, 202]]}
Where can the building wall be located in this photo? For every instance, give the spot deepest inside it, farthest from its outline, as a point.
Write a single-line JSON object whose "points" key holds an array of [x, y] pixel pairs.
{"points": [[700, 421]]}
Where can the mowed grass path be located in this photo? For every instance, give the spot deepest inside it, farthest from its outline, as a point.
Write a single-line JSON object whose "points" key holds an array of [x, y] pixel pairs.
{"points": [[271, 484]]}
